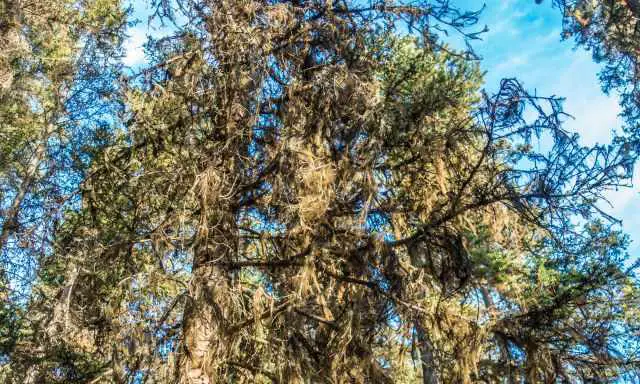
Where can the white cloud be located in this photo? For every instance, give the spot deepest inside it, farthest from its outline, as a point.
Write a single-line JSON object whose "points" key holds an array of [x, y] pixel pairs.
{"points": [[596, 114], [134, 47], [506, 25], [512, 63], [596, 117]]}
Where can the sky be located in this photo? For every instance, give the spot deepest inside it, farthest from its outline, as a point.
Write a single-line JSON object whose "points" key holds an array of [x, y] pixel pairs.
{"points": [[524, 42]]}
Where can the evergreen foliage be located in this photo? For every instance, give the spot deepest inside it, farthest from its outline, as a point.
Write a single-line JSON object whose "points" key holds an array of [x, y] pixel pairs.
{"points": [[298, 192]]}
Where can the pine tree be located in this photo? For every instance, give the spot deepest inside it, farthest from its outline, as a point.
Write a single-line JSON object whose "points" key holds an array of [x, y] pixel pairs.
{"points": [[300, 193], [57, 70]]}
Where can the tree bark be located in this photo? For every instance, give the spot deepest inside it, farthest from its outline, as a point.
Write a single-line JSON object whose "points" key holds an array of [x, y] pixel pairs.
{"points": [[205, 319], [10, 224], [502, 342], [429, 375]]}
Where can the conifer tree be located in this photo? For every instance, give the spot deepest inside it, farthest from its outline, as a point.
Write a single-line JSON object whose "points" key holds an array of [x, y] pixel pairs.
{"points": [[58, 64], [302, 191]]}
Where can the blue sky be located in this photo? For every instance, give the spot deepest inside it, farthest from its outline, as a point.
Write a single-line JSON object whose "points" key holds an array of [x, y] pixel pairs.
{"points": [[524, 41]]}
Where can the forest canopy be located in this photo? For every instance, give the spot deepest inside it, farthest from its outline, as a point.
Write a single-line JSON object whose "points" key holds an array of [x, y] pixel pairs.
{"points": [[307, 191]]}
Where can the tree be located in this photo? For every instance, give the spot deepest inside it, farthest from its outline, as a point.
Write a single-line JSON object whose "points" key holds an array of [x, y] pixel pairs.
{"points": [[301, 194], [57, 69], [53, 99], [611, 31]]}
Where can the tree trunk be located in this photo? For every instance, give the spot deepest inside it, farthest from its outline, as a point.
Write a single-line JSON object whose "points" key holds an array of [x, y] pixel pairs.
{"points": [[206, 313], [202, 323], [503, 343], [429, 375], [10, 224]]}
